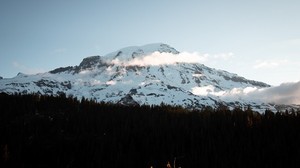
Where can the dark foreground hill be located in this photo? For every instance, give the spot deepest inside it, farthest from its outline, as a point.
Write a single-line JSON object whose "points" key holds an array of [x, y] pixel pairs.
{"points": [[47, 131]]}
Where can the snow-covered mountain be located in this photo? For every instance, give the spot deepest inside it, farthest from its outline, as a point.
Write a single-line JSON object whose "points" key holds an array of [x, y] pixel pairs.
{"points": [[126, 76]]}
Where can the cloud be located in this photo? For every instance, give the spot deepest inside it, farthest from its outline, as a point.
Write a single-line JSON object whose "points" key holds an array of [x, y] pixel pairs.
{"points": [[207, 90], [286, 93], [157, 58], [26, 70], [266, 64]]}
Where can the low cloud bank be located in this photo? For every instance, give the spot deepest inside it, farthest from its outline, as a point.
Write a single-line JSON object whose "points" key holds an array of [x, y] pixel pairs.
{"points": [[286, 93]]}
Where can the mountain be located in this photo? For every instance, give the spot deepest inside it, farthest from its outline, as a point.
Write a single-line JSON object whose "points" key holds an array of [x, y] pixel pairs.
{"points": [[120, 77]]}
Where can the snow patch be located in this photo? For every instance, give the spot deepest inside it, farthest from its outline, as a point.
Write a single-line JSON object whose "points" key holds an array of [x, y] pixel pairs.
{"points": [[111, 82], [95, 82], [197, 75]]}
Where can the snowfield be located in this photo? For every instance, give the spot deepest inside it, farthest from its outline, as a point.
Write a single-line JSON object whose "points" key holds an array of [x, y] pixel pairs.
{"points": [[149, 74]]}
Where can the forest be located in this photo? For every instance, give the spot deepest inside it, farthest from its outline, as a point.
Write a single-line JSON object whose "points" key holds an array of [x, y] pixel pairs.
{"points": [[64, 132]]}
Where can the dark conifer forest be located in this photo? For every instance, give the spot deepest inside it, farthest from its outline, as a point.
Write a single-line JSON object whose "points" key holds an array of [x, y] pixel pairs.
{"points": [[63, 132]]}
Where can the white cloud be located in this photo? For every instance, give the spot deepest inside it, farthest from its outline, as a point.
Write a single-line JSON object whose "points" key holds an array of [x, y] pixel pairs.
{"points": [[211, 90], [286, 93], [266, 64], [157, 58], [206, 90], [202, 91]]}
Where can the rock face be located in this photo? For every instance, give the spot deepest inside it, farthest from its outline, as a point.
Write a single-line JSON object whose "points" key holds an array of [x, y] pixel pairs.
{"points": [[113, 78], [128, 100]]}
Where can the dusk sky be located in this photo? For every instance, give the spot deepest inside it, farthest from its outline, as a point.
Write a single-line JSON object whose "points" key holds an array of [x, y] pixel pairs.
{"points": [[257, 39]]}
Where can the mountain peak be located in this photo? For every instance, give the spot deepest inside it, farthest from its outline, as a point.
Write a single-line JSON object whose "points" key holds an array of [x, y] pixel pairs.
{"points": [[190, 85], [20, 74], [136, 51], [89, 61]]}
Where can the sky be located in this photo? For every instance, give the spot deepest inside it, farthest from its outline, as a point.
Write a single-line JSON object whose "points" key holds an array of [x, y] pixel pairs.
{"points": [[257, 39]]}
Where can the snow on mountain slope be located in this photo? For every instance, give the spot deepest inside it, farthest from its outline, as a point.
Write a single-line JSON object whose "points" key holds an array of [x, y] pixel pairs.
{"points": [[118, 77]]}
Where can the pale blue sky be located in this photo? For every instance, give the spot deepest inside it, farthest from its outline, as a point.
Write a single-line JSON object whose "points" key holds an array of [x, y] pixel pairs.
{"points": [[263, 35]]}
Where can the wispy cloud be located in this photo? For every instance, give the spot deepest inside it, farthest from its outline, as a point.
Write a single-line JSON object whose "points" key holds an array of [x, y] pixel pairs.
{"points": [[267, 64], [24, 69], [157, 58]]}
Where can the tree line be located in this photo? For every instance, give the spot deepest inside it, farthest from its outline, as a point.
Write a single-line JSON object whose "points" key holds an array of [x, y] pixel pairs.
{"points": [[61, 131]]}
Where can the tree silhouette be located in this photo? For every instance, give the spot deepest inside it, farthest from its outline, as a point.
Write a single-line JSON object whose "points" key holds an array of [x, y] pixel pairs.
{"points": [[48, 131]]}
